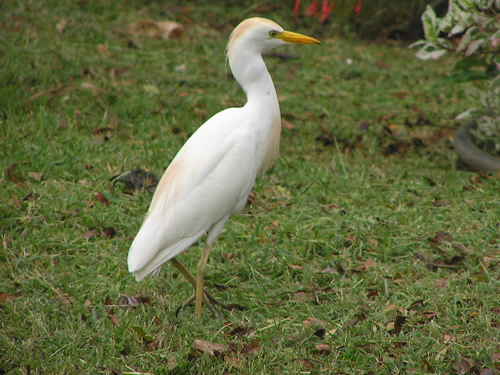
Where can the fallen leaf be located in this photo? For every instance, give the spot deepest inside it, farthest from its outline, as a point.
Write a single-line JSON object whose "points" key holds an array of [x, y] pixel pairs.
{"points": [[295, 267], [102, 199], [311, 321], [306, 363], [349, 323], [462, 366], [495, 357], [238, 331], [369, 263], [246, 349], [287, 124], [164, 29], [210, 348], [300, 296], [115, 320], [393, 307], [90, 234], [487, 371], [36, 175], [137, 179], [90, 87], [441, 283], [130, 301], [440, 236], [103, 50], [61, 26], [329, 270], [398, 323], [441, 203], [447, 338], [324, 348], [63, 300], [15, 201], [235, 361], [108, 232], [6, 297], [11, 175]]}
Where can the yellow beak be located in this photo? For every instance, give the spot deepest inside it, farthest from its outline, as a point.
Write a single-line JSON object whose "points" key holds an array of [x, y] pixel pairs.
{"points": [[291, 37]]}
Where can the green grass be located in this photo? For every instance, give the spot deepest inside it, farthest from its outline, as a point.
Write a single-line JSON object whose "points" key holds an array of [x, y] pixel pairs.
{"points": [[363, 223]]}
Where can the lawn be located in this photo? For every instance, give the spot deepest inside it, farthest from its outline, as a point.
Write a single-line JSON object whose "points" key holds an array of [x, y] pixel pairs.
{"points": [[364, 250]]}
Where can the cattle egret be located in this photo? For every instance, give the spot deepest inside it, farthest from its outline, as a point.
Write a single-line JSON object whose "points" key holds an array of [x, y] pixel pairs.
{"points": [[210, 178]]}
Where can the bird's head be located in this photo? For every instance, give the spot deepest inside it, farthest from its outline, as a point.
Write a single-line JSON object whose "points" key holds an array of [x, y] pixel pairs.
{"points": [[260, 35]]}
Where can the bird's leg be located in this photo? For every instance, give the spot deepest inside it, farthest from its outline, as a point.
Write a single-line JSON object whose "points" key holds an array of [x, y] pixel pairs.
{"points": [[192, 280], [207, 297], [202, 264]]}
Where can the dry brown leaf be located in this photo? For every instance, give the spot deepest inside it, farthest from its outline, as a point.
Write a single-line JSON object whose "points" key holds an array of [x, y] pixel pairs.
{"points": [[61, 26], [63, 300], [312, 321], [172, 30], [11, 175], [36, 175], [328, 270], [210, 348], [103, 50], [235, 361], [495, 357], [441, 203], [441, 283], [90, 87], [393, 307], [102, 199], [398, 323], [462, 366], [447, 338], [128, 301], [6, 297], [246, 349], [440, 236], [369, 263], [306, 363], [90, 234], [295, 267], [108, 232], [287, 124], [349, 323], [115, 320], [165, 29], [15, 201], [300, 296], [324, 348]]}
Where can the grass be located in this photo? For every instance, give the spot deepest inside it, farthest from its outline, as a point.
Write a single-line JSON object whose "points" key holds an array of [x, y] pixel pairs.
{"points": [[367, 251]]}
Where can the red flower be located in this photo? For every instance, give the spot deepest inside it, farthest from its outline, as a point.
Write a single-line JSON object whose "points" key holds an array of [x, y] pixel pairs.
{"points": [[296, 6], [358, 8], [325, 10]]}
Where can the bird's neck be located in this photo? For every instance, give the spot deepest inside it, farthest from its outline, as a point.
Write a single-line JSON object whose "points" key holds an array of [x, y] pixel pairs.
{"points": [[251, 73]]}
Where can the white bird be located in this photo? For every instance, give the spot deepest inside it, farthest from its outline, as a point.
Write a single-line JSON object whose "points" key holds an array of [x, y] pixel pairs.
{"points": [[210, 178]]}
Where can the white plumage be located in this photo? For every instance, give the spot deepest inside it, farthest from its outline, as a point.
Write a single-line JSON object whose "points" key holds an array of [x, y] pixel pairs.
{"points": [[212, 175]]}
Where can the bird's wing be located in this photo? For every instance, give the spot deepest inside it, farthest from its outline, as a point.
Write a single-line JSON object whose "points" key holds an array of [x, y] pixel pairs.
{"points": [[208, 181]]}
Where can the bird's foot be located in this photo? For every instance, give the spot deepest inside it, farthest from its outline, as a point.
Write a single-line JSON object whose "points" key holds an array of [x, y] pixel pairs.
{"points": [[210, 301]]}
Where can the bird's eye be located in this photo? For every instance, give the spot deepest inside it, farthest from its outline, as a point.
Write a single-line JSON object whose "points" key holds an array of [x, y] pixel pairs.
{"points": [[272, 33]]}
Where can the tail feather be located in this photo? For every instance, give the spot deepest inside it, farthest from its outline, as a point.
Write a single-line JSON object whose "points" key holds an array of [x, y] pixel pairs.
{"points": [[149, 251]]}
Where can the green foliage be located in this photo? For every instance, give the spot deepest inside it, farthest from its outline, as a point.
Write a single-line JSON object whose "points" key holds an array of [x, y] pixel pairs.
{"points": [[471, 29]]}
